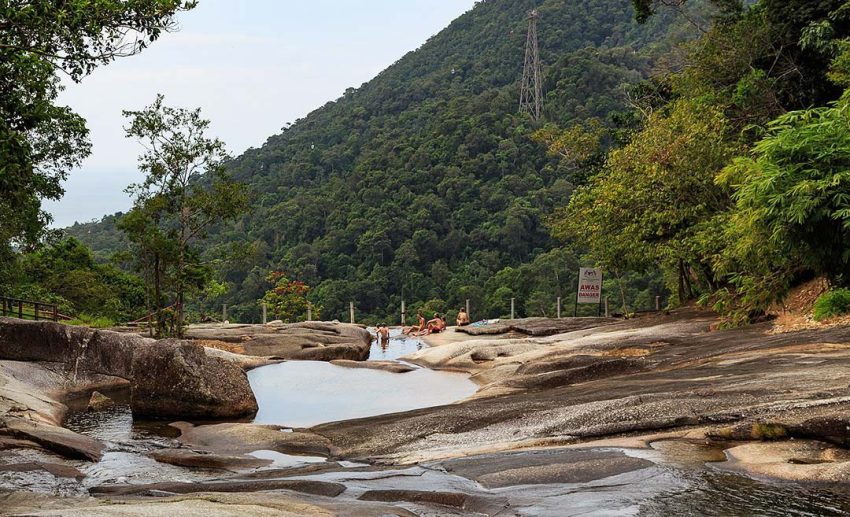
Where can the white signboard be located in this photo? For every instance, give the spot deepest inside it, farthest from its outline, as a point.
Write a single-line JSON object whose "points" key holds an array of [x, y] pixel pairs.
{"points": [[589, 285]]}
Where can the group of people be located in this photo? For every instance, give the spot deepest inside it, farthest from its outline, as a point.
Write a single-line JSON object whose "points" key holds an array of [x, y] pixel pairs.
{"points": [[436, 325], [433, 326]]}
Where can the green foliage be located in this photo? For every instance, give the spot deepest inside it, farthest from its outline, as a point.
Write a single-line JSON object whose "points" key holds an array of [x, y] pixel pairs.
{"points": [[793, 194], [646, 205], [40, 141], [66, 274], [832, 303], [185, 191], [87, 320], [287, 299]]}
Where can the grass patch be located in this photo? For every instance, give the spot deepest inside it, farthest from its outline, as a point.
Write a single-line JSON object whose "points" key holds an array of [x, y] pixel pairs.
{"points": [[831, 304], [97, 322]]}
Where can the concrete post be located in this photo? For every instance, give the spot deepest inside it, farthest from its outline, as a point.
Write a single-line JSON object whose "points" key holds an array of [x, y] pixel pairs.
{"points": [[513, 303], [309, 311], [403, 314], [264, 313], [467, 310], [351, 310], [606, 307], [657, 303], [223, 313], [559, 307]]}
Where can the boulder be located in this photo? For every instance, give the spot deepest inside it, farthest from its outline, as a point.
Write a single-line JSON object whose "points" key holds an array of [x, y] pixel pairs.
{"points": [[207, 460], [172, 378], [309, 341], [79, 348], [833, 429], [99, 401], [57, 439]]}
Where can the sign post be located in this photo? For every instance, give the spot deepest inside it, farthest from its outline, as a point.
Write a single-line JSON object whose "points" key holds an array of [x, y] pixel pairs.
{"points": [[589, 287]]}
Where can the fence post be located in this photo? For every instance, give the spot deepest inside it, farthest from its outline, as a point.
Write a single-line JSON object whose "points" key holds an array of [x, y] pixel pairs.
{"points": [[309, 311], [403, 314], [559, 307], [657, 303], [55, 313], [513, 303], [20, 309], [35, 310], [223, 313], [150, 325], [351, 310]]}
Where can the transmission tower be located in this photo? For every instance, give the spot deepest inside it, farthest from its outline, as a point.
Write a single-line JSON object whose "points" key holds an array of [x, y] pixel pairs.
{"points": [[531, 94]]}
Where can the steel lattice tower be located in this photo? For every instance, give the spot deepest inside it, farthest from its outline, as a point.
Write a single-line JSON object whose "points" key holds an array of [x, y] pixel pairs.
{"points": [[531, 94]]}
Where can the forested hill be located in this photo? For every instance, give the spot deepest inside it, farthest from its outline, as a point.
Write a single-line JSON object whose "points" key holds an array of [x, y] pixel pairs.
{"points": [[425, 181]]}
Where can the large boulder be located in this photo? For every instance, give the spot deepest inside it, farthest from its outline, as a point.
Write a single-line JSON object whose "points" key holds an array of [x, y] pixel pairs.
{"points": [[167, 378], [308, 341], [172, 378], [79, 348]]}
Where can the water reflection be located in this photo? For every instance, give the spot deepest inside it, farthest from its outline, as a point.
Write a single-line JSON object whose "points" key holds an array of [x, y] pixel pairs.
{"points": [[307, 393], [398, 345]]}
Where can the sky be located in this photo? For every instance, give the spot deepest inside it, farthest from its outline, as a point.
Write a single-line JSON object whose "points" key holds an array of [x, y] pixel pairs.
{"points": [[252, 66]]}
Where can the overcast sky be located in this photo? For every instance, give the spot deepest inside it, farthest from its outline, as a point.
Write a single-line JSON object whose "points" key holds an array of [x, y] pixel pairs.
{"points": [[251, 65]]}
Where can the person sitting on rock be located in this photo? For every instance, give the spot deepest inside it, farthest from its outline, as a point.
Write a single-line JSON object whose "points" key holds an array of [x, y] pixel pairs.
{"points": [[462, 318], [416, 328], [434, 326]]}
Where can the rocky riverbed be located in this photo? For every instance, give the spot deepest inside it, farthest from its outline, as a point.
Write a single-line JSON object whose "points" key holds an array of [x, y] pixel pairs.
{"points": [[654, 416]]}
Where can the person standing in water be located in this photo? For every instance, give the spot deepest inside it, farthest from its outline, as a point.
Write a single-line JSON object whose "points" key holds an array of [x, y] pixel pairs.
{"points": [[383, 335]]}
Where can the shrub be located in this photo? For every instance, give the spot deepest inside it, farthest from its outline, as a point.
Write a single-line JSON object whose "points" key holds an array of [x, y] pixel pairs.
{"points": [[832, 303], [88, 320]]}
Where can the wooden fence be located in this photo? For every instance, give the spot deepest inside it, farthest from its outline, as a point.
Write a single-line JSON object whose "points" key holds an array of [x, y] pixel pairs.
{"points": [[29, 310]]}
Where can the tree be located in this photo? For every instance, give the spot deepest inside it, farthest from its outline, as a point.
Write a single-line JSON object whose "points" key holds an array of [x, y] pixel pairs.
{"points": [[40, 141], [650, 203], [792, 200], [287, 299], [186, 190], [646, 8]]}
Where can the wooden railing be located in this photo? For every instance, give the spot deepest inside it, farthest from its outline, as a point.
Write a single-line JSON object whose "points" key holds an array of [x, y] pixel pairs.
{"points": [[29, 310]]}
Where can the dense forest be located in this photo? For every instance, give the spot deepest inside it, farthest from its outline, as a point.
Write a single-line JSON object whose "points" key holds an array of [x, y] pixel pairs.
{"points": [[696, 150], [427, 184]]}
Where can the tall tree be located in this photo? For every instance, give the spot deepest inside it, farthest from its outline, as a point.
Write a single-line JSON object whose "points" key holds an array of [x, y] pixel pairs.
{"points": [[40, 141], [185, 191]]}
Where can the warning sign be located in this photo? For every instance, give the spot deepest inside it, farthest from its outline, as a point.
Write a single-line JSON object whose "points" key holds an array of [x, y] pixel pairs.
{"points": [[589, 285]]}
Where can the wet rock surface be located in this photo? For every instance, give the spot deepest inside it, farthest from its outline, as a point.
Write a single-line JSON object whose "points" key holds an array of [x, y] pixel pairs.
{"points": [[387, 366], [311, 341], [544, 467], [241, 438], [206, 460]]}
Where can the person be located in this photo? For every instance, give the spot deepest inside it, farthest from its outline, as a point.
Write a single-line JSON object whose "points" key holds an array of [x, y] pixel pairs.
{"points": [[462, 318], [383, 335], [434, 326], [416, 328], [383, 331]]}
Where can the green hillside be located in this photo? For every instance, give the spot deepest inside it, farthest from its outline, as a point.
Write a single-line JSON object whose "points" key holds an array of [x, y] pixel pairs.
{"points": [[424, 182]]}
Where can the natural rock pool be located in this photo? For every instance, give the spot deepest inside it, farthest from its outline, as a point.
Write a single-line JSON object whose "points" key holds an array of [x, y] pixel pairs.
{"points": [[307, 393]]}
